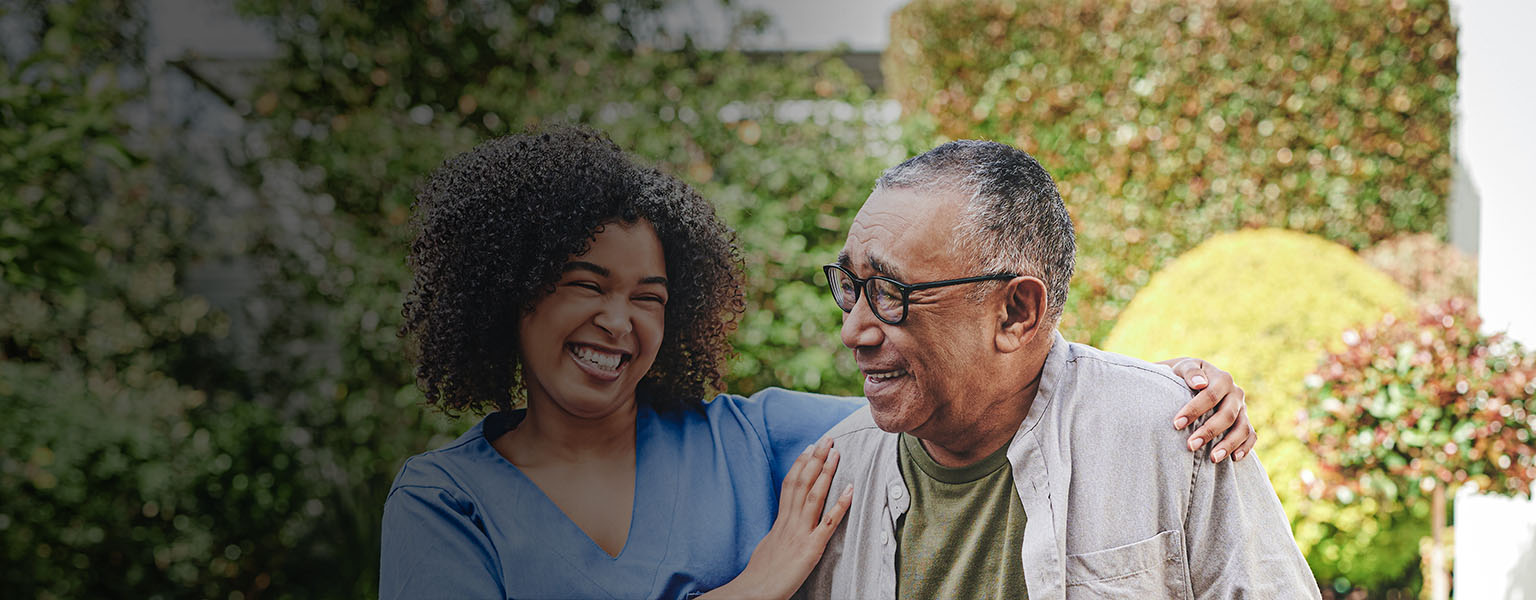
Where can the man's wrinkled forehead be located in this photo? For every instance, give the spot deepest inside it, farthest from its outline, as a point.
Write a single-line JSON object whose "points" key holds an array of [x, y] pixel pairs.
{"points": [[903, 233]]}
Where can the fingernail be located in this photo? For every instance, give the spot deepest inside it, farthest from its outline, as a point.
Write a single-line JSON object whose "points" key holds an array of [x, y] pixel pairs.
{"points": [[1219, 454], [1239, 454], [1197, 380], [848, 491], [1195, 443], [1180, 422]]}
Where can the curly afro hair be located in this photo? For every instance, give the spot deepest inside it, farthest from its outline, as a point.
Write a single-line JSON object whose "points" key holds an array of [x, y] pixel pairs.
{"points": [[494, 228]]}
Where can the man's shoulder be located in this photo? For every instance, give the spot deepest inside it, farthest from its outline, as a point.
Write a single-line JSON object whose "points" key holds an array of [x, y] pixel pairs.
{"points": [[1096, 371], [1106, 394], [858, 434], [859, 425]]}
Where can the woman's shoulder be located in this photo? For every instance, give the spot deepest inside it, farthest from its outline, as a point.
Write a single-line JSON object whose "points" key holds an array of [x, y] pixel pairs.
{"points": [[782, 422], [450, 466], [767, 410]]}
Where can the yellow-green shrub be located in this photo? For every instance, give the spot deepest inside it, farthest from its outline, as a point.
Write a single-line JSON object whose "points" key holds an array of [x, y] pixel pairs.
{"points": [[1263, 304], [1166, 122]]}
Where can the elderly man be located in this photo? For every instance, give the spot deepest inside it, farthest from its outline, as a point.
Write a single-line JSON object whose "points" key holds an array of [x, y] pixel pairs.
{"points": [[995, 459]]}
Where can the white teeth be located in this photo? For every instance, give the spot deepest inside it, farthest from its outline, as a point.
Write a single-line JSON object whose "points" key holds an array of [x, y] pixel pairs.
{"points": [[885, 376], [598, 358]]}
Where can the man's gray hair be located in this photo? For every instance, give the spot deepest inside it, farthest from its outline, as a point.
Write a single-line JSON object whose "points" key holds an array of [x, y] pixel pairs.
{"points": [[1013, 220]]}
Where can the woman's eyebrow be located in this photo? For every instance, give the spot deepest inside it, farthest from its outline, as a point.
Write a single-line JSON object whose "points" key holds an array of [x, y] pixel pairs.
{"points": [[581, 265], [656, 279]]}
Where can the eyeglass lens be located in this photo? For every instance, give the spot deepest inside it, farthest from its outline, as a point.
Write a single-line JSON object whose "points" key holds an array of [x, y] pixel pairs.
{"points": [[884, 296]]}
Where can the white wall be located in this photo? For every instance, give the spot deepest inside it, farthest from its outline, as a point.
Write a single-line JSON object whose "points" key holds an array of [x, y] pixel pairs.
{"points": [[1496, 122]]}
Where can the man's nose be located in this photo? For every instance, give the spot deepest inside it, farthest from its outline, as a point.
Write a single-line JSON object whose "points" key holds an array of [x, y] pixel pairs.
{"points": [[615, 318], [860, 327]]}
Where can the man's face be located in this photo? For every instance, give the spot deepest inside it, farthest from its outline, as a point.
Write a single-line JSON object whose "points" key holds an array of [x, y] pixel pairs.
{"points": [[917, 374]]}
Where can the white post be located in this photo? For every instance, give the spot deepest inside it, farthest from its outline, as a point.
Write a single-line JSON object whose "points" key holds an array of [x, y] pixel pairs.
{"points": [[1495, 547]]}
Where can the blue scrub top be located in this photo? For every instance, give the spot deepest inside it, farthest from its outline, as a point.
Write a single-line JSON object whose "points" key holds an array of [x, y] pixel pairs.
{"points": [[463, 522]]}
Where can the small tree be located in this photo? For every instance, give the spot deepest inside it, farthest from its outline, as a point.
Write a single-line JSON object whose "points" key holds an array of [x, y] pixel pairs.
{"points": [[1406, 409]]}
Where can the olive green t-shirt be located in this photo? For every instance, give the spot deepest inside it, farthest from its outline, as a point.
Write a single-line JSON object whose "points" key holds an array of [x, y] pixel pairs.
{"points": [[963, 535]]}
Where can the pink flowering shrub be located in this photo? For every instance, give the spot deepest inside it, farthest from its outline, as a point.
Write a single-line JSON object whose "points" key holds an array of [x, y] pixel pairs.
{"points": [[1407, 406]]}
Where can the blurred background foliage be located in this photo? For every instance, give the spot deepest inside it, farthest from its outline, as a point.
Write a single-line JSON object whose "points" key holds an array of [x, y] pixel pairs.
{"points": [[202, 284], [1167, 122]]}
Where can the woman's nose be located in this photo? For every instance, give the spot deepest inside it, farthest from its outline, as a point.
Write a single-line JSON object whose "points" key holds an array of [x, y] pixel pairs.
{"points": [[615, 319]]}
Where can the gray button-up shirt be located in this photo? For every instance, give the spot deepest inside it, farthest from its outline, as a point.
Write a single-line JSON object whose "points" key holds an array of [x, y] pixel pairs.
{"points": [[1118, 507]]}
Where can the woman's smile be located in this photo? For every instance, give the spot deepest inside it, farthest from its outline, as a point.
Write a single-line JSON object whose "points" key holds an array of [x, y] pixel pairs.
{"points": [[603, 363]]}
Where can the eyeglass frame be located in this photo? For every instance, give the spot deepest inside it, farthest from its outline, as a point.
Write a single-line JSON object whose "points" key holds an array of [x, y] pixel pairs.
{"points": [[859, 286]]}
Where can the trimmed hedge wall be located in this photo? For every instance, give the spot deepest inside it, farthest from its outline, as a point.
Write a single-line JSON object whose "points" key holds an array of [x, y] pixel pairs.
{"points": [[1166, 122]]}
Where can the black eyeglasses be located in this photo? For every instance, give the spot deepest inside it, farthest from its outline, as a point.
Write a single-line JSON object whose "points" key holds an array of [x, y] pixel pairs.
{"points": [[887, 297]]}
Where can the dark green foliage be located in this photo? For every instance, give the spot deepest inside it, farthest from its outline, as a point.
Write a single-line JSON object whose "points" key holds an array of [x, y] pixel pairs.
{"points": [[59, 136], [142, 489]]}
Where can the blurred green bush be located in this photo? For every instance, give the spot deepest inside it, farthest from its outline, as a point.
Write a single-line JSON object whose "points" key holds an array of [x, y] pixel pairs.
{"points": [[1165, 123], [1264, 304]]}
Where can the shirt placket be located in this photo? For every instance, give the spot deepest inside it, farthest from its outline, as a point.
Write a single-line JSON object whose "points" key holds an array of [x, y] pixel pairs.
{"points": [[897, 501]]}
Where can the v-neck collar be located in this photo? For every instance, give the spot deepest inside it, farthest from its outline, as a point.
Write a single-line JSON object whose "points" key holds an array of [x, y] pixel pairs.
{"points": [[652, 512]]}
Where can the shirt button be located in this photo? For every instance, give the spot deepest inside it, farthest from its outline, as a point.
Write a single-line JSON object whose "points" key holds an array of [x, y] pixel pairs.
{"points": [[897, 491], [885, 538]]}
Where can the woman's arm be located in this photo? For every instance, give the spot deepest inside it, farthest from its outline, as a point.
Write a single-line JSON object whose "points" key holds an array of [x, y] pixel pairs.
{"points": [[1231, 417], [799, 535]]}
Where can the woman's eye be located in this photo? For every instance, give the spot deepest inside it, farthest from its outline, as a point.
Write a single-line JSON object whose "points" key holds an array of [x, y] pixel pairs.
{"points": [[657, 299], [587, 285]]}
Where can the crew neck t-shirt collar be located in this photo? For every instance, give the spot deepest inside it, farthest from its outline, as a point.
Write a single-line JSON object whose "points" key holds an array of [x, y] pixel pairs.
{"points": [[953, 475]]}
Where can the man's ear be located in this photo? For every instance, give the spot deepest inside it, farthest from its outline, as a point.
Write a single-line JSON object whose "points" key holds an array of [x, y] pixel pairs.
{"points": [[1024, 306]]}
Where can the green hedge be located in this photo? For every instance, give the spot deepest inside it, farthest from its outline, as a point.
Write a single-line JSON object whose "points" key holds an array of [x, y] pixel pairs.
{"points": [[1165, 123]]}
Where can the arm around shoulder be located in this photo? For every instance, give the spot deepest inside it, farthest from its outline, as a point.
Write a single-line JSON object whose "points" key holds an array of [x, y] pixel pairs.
{"points": [[1239, 540]]}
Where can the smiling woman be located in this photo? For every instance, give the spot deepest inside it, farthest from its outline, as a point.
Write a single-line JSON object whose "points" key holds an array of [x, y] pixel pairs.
{"points": [[586, 300], [497, 228]]}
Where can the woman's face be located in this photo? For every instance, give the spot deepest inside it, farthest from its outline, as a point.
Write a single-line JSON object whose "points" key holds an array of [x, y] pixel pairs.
{"points": [[586, 345]]}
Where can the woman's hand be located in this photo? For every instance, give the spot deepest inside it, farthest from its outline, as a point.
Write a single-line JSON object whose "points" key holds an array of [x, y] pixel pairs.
{"points": [[1215, 386], [799, 535]]}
